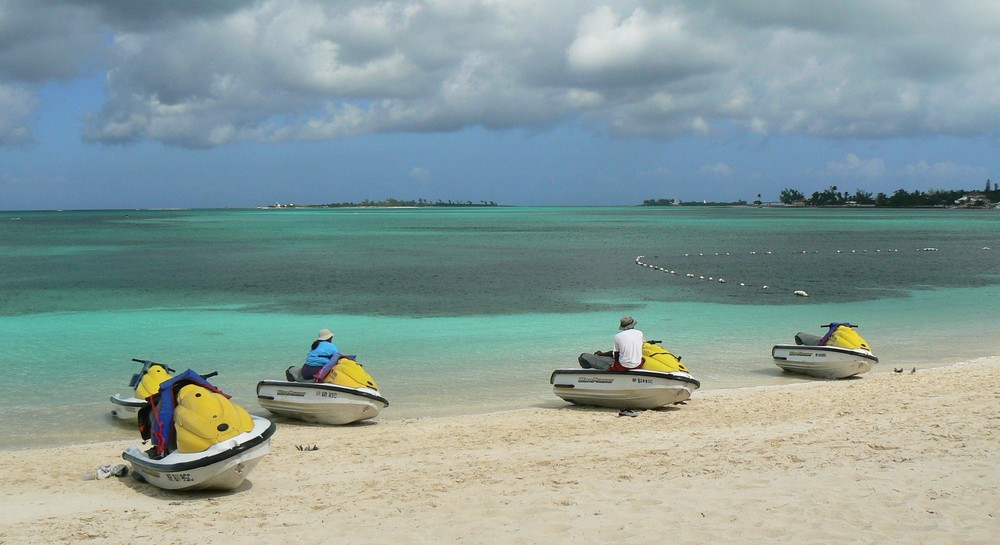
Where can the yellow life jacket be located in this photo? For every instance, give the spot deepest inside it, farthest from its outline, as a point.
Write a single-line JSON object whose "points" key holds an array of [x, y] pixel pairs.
{"points": [[150, 382], [203, 418], [349, 373], [657, 358]]}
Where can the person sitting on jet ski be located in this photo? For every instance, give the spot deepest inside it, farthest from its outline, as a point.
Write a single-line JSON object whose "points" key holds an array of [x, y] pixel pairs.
{"points": [[322, 350], [628, 347]]}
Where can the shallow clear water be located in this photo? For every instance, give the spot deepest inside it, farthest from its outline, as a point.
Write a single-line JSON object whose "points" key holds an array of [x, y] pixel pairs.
{"points": [[465, 310]]}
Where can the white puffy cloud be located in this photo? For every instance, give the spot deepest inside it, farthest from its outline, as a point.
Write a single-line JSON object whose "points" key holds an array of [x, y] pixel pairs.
{"points": [[855, 167], [641, 49], [717, 169], [420, 174], [942, 171], [204, 74]]}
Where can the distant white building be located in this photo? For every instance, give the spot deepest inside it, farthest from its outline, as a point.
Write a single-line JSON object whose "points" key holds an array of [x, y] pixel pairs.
{"points": [[973, 199]]}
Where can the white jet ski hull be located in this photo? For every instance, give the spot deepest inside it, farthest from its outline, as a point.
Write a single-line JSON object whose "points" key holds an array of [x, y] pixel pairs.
{"points": [[637, 389], [320, 402], [223, 466], [823, 361], [126, 408]]}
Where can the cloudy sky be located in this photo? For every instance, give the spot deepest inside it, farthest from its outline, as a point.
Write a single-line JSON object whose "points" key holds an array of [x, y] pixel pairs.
{"points": [[234, 103]]}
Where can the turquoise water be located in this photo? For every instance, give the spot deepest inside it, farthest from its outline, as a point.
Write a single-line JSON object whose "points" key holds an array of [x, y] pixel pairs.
{"points": [[460, 311]]}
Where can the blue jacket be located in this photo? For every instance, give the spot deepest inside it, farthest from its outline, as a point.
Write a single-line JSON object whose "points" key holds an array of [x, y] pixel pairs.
{"points": [[321, 355]]}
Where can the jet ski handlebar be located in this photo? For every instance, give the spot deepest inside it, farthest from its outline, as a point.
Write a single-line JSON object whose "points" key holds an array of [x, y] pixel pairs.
{"points": [[848, 324], [205, 376], [150, 362]]}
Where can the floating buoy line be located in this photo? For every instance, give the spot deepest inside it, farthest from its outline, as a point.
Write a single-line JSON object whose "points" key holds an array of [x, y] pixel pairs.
{"points": [[640, 260]]}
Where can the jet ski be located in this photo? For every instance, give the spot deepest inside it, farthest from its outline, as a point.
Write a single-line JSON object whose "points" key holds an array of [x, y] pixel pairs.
{"points": [[196, 438], [841, 353], [144, 384], [662, 380], [342, 392]]}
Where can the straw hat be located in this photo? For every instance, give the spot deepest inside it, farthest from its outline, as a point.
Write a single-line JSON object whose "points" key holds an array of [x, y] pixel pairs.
{"points": [[324, 335]]}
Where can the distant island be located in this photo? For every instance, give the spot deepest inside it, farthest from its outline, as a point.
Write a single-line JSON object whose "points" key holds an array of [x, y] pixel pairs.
{"points": [[675, 202], [388, 203], [989, 197]]}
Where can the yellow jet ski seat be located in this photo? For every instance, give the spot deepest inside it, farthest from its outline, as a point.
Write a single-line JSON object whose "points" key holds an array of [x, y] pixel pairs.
{"points": [[844, 336], [349, 373], [204, 418], [150, 381], [657, 358]]}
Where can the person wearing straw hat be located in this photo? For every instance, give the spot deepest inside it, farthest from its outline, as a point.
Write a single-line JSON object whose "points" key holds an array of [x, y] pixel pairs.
{"points": [[628, 347], [322, 351]]}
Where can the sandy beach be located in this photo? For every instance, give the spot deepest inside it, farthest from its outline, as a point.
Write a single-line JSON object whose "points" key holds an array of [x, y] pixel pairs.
{"points": [[886, 458]]}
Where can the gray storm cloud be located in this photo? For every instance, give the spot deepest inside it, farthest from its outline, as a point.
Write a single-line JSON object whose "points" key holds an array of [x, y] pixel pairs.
{"points": [[204, 74]]}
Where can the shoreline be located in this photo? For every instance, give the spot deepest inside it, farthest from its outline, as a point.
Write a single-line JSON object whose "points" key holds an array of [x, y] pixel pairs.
{"points": [[111, 430], [107, 429], [902, 458]]}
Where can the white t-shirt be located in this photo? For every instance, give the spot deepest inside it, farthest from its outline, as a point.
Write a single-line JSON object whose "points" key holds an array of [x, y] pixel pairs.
{"points": [[628, 344]]}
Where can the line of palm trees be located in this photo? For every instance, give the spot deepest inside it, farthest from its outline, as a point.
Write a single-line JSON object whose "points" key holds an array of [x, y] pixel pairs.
{"points": [[832, 196]]}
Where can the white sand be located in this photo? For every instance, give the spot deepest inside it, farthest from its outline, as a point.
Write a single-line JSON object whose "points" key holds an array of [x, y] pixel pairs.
{"points": [[907, 458]]}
